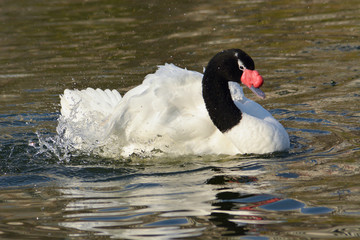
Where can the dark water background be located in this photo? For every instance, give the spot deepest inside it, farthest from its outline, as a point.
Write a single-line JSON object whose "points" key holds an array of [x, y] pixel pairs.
{"points": [[307, 51]]}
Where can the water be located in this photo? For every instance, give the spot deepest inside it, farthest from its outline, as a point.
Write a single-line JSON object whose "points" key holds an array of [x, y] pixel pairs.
{"points": [[308, 54]]}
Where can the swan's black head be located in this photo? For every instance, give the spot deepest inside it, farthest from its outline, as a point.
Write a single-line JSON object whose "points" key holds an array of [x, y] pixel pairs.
{"points": [[237, 66], [230, 64]]}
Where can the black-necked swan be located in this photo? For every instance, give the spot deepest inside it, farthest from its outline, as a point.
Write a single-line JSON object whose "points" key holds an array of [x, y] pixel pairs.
{"points": [[176, 111]]}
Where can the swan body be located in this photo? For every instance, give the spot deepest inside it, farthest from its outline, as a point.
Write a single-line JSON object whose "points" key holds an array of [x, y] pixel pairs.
{"points": [[166, 113]]}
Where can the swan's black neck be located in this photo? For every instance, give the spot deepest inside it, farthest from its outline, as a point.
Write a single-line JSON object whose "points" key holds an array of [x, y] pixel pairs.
{"points": [[224, 67], [219, 104]]}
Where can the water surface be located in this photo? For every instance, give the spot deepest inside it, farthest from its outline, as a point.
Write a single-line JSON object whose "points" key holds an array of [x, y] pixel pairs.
{"points": [[308, 53]]}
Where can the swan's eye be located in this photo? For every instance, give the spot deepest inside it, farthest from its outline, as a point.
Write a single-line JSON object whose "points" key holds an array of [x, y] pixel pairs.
{"points": [[241, 65]]}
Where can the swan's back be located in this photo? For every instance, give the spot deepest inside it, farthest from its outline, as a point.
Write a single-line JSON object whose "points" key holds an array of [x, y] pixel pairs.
{"points": [[167, 113]]}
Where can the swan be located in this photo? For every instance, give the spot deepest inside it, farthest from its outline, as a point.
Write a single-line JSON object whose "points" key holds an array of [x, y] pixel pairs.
{"points": [[176, 111]]}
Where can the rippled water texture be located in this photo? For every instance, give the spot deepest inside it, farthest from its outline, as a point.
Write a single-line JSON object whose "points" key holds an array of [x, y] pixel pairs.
{"points": [[308, 53]]}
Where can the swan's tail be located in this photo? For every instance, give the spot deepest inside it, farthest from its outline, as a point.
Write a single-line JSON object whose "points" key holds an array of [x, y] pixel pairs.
{"points": [[85, 116]]}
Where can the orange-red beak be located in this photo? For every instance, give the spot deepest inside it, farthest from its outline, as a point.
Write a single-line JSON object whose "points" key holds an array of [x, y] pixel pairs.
{"points": [[253, 80]]}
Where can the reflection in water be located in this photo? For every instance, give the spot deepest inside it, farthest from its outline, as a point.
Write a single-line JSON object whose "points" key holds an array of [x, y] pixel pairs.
{"points": [[148, 206], [178, 204]]}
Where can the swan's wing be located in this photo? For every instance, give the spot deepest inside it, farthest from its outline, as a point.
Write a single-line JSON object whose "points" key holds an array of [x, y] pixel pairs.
{"points": [[84, 118], [161, 105], [78, 104]]}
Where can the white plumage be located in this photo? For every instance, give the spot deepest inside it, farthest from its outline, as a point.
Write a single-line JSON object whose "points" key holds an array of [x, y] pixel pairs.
{"points": [[166, 113]]}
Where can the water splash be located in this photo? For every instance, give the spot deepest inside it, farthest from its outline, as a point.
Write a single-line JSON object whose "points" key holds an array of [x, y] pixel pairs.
{"points": [[53, 146]]}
